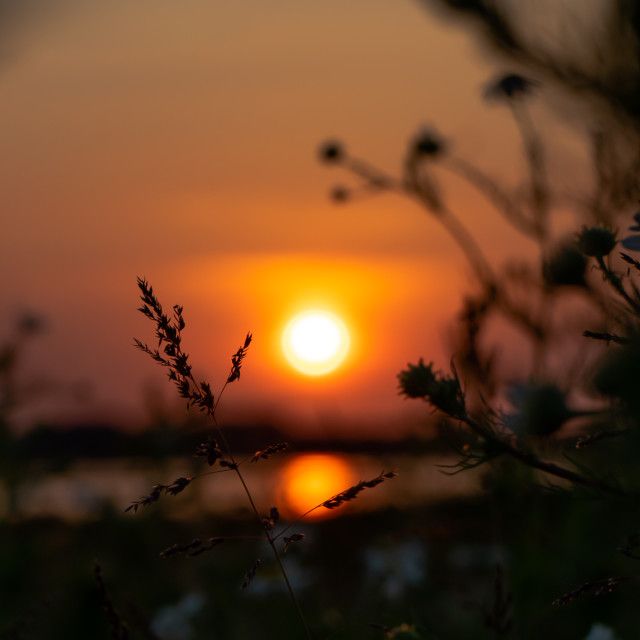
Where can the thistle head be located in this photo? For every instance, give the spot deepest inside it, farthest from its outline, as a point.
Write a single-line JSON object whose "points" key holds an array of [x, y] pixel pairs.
{"points": [[541, 408], [565, 267], [618, 373], [509, 87], [596, 242], [442, 391], [331, 152], [427, 143], [340, 194]]}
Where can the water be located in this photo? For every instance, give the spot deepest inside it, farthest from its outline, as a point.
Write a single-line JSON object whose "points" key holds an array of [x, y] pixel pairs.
{"points": [[292, 482]]}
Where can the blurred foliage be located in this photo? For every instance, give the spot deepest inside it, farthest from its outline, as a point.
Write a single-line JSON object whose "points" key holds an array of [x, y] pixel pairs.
{"points": [[565, 421]]}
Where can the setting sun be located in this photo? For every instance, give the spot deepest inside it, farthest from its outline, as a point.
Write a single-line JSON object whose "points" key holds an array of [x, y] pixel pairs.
{"points": [[315, 342]]}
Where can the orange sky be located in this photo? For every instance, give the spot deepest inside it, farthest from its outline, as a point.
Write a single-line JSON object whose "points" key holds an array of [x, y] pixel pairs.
{"points": [[177, 141]]}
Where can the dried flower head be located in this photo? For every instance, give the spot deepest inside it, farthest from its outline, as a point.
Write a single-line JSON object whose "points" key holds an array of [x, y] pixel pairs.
{"points": [[331, 152], [428, 143], [340, 194], [541, 409], [509, 86], [565, 267], [596, 242], [442, 391]]}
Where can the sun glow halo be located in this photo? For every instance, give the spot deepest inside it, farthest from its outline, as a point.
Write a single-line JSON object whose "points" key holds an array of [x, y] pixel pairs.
{"points": [[315, 342]]}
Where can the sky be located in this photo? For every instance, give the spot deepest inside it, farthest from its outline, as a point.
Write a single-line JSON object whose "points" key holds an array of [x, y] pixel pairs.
{"points": [[178, 141]]}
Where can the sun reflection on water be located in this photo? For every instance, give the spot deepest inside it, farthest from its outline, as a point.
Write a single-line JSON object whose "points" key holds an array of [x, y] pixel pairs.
{"points": [[309, 479]]}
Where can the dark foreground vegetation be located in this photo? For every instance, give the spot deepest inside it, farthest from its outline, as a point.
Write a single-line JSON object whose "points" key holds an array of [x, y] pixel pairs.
{"points": [[434, 568]]}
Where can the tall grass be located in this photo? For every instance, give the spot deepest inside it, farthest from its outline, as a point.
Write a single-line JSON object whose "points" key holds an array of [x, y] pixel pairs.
{"points": [[169, 353]]}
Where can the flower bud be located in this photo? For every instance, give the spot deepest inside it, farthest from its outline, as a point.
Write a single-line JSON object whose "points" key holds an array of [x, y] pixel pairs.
{"points": [[541, 409], [331, 152], [443, 392], [428, 143], [565, 267], [340, 194], [510, 86], [596, 242]]}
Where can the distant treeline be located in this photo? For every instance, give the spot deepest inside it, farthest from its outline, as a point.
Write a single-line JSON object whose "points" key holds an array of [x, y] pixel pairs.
{"points": [[107, 441]]}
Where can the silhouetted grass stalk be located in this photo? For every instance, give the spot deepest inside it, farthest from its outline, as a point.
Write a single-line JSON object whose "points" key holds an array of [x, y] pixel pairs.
{"points": [[236, 469], [168, 333]]}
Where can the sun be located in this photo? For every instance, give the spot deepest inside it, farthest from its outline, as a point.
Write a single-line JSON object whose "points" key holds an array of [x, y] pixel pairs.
{"points": [[315, 342]]}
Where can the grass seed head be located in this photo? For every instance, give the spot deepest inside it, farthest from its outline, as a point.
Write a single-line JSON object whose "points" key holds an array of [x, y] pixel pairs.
{"points": [[352, 492], [267, 452], [251, 574]]}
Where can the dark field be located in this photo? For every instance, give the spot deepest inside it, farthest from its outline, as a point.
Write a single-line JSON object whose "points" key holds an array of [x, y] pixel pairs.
{"points": [[433, 566]]}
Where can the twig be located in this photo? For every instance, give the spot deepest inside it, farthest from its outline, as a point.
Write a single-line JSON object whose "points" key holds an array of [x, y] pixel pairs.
{"points": [[615, 281], [531, 460]]}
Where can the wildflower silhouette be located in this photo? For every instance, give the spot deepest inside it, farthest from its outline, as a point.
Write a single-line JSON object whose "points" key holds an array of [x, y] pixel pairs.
{"points": [[527, 419]]}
